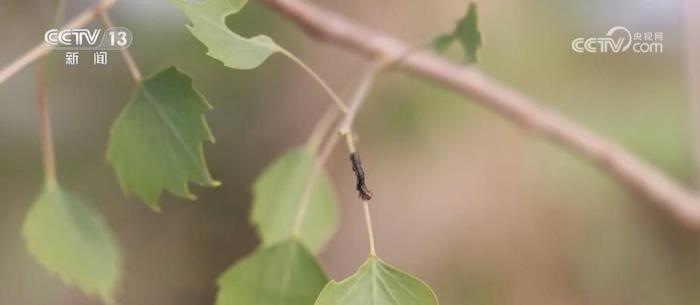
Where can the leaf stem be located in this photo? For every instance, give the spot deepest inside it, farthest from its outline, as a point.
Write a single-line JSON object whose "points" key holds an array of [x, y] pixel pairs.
{"points": [[42, 100], [128, 59], [336, 99], [370, 230], [350, 143], [47, 148]]}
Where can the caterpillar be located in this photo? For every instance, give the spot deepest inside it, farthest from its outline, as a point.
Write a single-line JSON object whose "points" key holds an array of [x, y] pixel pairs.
{"points": [[363, 191]]}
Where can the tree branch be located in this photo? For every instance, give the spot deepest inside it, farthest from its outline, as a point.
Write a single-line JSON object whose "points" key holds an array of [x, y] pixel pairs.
{"points": [[42, 49], [637, 175]]}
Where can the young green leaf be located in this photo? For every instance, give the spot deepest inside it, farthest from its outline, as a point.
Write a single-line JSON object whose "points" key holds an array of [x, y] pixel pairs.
{"points": [[156, 142], [282, 274], [209, 26], [235, 51], [277, 197], [466, 32], [74, 242], [377, 283]]}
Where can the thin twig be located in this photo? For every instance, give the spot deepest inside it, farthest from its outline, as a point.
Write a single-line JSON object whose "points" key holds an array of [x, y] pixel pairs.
{"points": [[359, 97], [345, 129], [42, 49], [355, 103], [325, 123], [350, 143], [637, 175], [128, 59]]}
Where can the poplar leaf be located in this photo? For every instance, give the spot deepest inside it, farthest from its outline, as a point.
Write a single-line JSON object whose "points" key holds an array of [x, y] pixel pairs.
{"points": [[73, 241], [466, 33], [377, 283], [282, 274], [156, 142], [209, 26], [277, 196]]}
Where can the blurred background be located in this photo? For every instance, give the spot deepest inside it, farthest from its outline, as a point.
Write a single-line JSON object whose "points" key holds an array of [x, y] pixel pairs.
{"points": [[483, 211]]}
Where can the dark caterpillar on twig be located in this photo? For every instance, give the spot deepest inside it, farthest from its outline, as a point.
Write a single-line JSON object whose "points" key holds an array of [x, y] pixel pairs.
{"points": [[362, 189]]}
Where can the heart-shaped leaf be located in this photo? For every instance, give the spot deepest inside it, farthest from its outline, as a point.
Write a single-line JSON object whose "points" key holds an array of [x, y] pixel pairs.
{"points": [[282, 274], [377, 283], [74, 242], [277, 195], [156, 142]]}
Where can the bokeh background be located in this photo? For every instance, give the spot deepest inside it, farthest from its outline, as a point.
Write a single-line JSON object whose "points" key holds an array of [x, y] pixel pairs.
{"points": [[485, 212]]}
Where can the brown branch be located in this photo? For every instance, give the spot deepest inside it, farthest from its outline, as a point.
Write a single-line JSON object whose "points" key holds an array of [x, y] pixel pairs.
{"points": [[637, 175], [42, 49]]}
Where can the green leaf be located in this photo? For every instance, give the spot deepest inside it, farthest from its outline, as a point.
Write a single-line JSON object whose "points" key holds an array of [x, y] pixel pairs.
{"points": [[156, 142], [74, 242], [282, 274], [377, 283], [209, 26], [277, 196], [443, 41], [466, 32]]}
